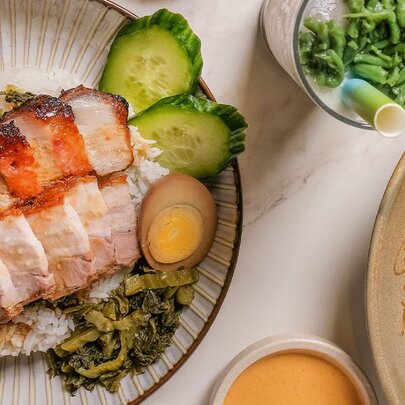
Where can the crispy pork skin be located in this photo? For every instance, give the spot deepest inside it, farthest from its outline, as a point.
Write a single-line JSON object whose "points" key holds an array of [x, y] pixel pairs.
{"points": [[102, 121], [17, 163], [48, 126], [121, 211]]}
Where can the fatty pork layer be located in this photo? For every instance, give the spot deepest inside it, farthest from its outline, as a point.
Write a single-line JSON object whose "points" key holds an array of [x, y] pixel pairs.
{"points": [[24, 258], [61, 228], [102, 121], [121, 211]]}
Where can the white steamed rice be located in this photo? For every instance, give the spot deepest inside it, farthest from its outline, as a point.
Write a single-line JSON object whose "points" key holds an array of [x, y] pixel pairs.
{"points": [[102, 287], [144, 170], [36, 81], [35, 329], [38, 328]]}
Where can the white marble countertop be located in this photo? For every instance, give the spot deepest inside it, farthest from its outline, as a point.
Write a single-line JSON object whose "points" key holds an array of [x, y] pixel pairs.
{"points": [[312, 187]]}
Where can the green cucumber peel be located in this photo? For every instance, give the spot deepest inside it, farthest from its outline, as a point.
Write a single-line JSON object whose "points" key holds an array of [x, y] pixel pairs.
{"points": [[233, 121], [178, 26], [228, 114], [171, 65]]}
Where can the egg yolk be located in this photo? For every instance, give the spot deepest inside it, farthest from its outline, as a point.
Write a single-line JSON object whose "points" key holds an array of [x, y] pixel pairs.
{"points": [[175, 234]]}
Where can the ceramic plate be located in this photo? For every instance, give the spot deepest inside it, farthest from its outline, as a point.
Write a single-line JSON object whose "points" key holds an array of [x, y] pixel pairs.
{"points": [[385, 288], [74, 36]]}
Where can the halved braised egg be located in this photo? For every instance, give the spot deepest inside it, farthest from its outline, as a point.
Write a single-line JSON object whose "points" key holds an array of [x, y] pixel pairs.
{"points": [[177, 223]]}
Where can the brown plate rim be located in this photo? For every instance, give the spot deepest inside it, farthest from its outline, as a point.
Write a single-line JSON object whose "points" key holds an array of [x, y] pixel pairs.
{"points": [[389, 196], [235, 253]]}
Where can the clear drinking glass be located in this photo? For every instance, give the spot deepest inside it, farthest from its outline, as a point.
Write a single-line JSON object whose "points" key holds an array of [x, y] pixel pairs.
{"points": [[281, 21]]}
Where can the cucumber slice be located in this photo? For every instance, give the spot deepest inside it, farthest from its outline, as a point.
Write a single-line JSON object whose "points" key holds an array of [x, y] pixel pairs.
{"points": [[198, 137], [152, 58]]}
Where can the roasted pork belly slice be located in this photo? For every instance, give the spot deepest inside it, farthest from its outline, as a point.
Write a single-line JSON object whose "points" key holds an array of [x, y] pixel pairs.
{"points": [[65, 241], [102, 255], [102, 121], [48, 126], [89, 205], [121, 211], [17, 163], [86, 199], [24, 257]]}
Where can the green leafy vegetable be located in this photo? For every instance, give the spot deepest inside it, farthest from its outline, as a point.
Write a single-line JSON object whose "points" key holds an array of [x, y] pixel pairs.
{"points": [[185, 294], [102, 323], [15, 97], [137, 283], [123, 334], [198, 137], [79, 338], [108, 366], [151, 58]]}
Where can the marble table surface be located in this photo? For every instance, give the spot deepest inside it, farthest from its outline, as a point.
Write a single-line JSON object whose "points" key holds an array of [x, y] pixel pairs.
{"points": [[312, 187]]}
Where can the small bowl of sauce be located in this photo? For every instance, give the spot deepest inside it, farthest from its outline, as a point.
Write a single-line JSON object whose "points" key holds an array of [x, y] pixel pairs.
{"points": [[293, 370]]}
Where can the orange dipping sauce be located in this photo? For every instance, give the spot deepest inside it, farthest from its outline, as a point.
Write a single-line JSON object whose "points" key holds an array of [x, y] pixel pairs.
{"points": [[293, 378]]}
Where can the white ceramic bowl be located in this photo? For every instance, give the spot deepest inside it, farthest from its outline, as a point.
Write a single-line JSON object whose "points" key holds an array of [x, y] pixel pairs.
{"points": [[293, 343]]}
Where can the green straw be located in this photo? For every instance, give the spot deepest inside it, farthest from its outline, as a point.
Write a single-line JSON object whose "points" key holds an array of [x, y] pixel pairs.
{"points": [[382, 113]]}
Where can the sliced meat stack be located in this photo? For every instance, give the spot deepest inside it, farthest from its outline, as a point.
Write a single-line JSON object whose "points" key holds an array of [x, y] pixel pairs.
{"points": [[48, 138], [61, 228], [63, 239]]}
